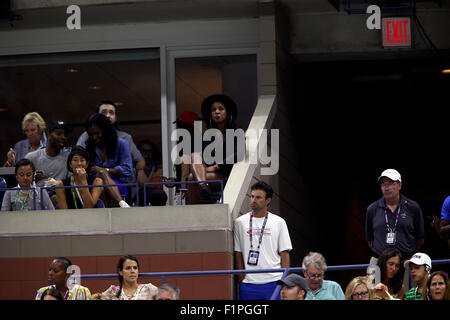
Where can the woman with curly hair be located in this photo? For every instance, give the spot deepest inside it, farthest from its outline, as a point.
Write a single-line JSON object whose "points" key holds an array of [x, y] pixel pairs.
{"points": [[109, 156]]}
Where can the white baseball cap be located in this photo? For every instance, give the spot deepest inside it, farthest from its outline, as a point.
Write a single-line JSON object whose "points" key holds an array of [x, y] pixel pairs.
{"points": [[420, 259], [392, 174]]}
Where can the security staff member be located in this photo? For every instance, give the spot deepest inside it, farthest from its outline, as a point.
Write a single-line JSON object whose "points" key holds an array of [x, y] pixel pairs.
{"points": [[394, 220]]}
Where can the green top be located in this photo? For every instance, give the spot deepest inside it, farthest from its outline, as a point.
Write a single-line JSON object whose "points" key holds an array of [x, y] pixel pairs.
{"points": [[413, 294]]}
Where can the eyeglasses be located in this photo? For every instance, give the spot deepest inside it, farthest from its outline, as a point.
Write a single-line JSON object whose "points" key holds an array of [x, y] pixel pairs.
{"points": [[360, 294], [387, 184], [315, 275]]}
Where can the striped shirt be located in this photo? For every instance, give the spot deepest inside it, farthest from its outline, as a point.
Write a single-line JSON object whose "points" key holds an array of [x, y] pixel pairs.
{"points": [[76, 293], [413, 294]]}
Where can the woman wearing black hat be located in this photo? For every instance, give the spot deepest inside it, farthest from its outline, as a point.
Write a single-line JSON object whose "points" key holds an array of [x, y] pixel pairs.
{"points": [[219, 112]]}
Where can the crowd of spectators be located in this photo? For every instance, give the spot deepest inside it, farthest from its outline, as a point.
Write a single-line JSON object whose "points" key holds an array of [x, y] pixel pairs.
{"points": [[96, 171]]}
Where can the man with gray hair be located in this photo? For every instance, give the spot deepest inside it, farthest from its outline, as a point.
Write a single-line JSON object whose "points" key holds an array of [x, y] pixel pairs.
{"points": [[314, 267], [168, 291], [394, 221]]}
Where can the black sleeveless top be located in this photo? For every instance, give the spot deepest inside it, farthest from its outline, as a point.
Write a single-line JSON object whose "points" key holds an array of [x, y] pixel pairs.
{"points": [[69, 194]]}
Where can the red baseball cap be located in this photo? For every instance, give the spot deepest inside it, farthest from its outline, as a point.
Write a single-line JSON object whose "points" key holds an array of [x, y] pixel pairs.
{"points": [[187, 117]]}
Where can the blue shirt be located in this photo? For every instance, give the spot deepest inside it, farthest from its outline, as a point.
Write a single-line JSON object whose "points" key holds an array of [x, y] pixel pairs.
{"points": [[445, 212], [121, 161], [330, 290]]}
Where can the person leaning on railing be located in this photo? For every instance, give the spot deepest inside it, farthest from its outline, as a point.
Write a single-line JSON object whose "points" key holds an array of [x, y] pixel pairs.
{"points": [[78, 198], [22, 200]]}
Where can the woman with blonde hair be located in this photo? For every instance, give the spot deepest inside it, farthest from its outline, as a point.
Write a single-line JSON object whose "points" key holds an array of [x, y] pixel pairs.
{"points": [[33, 126], [358, 289]]}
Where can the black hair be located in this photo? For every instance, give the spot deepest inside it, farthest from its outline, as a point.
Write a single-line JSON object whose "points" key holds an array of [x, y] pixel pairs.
{"points": [[52, 292], [109, 136], [261, 185], [397, 281], [120, 268], [78, 150], [230, 107], [23, 163], [97, 110], [67, 263], [155, 153]]}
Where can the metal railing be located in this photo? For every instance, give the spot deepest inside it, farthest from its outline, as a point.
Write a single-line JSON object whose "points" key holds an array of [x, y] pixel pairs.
{"points": [[285, 272], [180, 183], [41, 189]]}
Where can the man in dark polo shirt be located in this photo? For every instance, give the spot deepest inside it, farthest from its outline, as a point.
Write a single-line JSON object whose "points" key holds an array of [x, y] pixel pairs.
{"points": [[394, 221]]}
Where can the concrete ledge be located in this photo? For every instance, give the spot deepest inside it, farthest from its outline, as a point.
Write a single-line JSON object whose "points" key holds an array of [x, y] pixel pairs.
{"points": [[117, 244], [115, 220]]}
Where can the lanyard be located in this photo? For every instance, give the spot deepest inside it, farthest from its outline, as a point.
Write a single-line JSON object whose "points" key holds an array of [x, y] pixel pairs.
{"points": [[24, 200], [396, 220], [72, 183], [250, 231]]}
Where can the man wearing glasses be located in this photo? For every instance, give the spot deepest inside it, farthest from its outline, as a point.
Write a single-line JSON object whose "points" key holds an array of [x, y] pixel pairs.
{"points": [[394, 221], [314, 267]]}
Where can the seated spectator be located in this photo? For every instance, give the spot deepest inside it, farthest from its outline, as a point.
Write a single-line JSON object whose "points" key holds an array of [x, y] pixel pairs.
{"points": [[156, 196], [129, 288], [21, 200], [51, 294], [294, 287], [51, 162], [438, 287], [109, 157], [219, 112], [34, 128], [57, 278], [78, 198], [109, 109], [420, 264], [314, 267], [168, 291], [358, 289], [185, 122], [392, 270]]}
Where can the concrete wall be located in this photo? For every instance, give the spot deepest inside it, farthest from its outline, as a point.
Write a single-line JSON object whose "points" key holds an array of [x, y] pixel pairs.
{"points": [[165, 239]]}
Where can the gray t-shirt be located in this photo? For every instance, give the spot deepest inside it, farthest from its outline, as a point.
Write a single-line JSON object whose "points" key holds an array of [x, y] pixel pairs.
{"points": [[53, 167], [16, 200]]}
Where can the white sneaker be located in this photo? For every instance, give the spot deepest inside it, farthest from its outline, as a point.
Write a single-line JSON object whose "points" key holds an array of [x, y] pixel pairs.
{"points": [[123, 204]]}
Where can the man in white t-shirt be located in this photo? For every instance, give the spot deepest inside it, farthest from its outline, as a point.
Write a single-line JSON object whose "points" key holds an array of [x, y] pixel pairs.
{"points": [[261, 241]]}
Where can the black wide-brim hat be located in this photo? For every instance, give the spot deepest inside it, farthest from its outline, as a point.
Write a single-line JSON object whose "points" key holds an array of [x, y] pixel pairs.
{"points": [[230, 105]]}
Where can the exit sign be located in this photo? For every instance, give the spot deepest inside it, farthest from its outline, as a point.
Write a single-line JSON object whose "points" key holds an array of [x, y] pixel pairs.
{"points": [[396, 32]]}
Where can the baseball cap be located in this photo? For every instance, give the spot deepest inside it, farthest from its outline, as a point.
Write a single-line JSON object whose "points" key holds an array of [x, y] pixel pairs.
{"points": [[187, 117], [420, 259], [392, 174], [294, 279], [59, 124]]}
